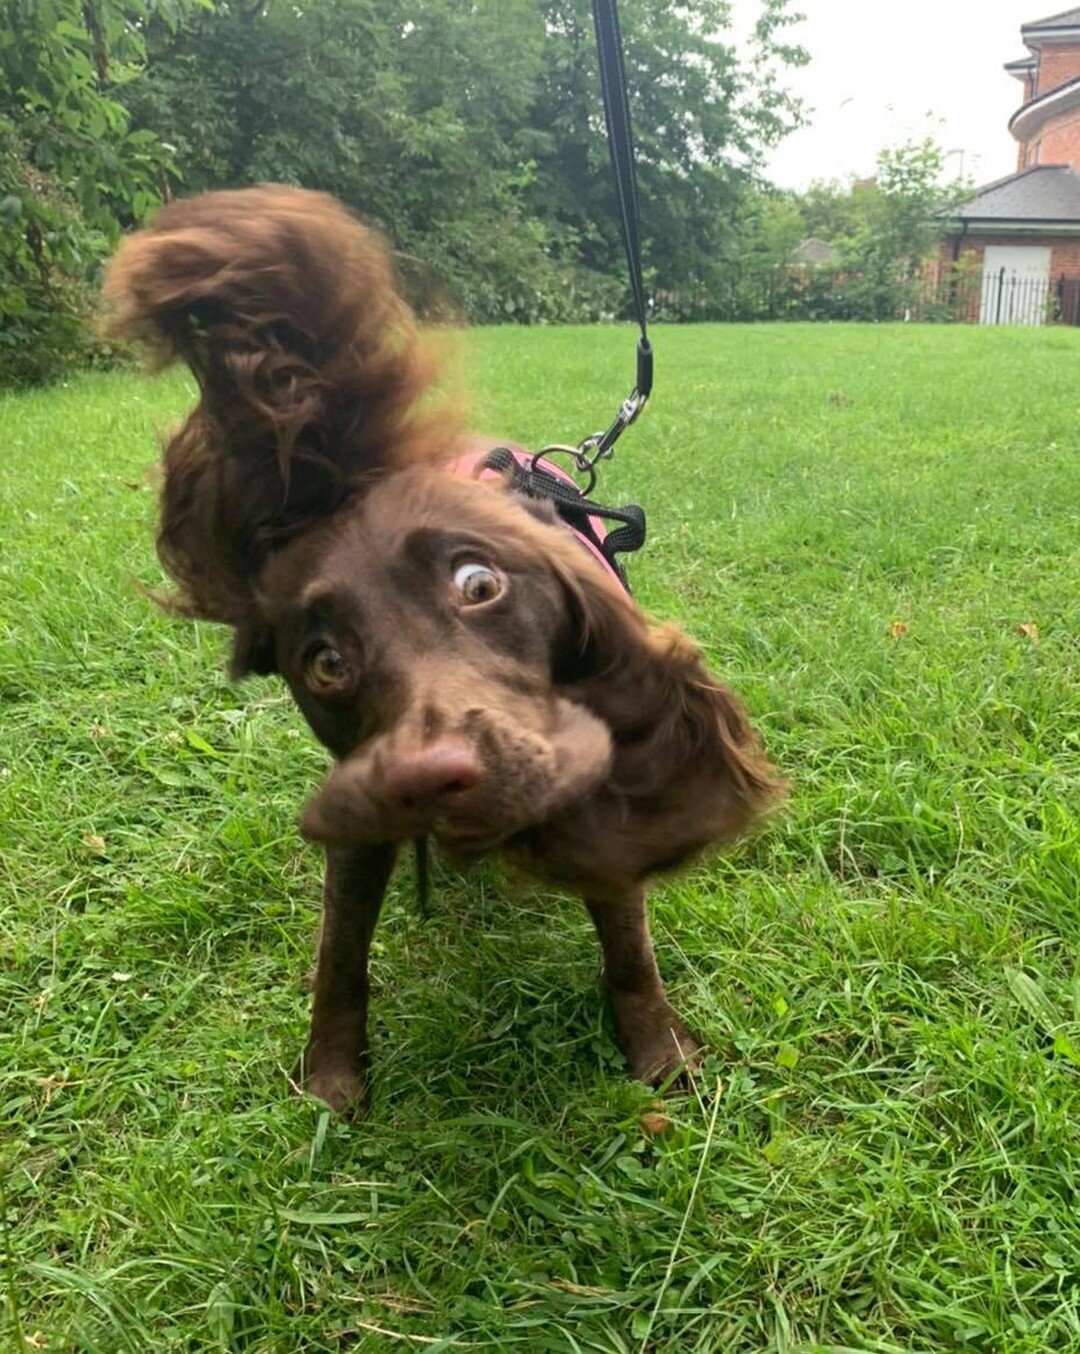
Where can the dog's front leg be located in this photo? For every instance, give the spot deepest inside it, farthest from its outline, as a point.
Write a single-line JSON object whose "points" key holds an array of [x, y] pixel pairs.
{"points": [[653, 1038], [335, 1059]]}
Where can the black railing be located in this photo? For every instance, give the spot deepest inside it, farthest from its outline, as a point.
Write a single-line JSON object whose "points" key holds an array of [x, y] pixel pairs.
{"points": [[1000, 296], [1008, 297]]}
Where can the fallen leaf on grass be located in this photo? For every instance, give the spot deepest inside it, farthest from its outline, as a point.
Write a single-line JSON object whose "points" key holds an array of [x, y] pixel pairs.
{"points": [[653, 1123], [1030, 629], [94, 844], [50, 1085], [898, 628]]}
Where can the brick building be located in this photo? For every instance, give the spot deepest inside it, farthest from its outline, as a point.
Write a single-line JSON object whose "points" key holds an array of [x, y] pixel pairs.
{"points": [[1024, 231]]}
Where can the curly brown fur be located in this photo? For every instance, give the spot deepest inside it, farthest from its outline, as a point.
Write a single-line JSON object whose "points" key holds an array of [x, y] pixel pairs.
{"points": [[306, 504], [310, 374]]}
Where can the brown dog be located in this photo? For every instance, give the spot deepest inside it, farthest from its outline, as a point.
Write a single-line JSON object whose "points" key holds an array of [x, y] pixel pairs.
{"points": [[478, 675]]}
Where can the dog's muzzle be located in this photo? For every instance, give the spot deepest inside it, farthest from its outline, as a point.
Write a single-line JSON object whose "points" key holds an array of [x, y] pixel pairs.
{"points": [[471, 788]]}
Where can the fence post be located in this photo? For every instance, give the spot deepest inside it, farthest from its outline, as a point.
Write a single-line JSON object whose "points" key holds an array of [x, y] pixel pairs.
{"points": [[1001, 293]]}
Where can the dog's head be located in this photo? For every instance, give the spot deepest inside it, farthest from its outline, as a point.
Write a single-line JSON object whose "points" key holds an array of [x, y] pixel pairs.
{"points": [[474, 671], [425, 631]]}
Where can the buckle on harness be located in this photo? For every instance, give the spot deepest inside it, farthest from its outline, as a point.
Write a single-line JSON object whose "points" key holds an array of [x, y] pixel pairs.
{"points": [[573, 505]]}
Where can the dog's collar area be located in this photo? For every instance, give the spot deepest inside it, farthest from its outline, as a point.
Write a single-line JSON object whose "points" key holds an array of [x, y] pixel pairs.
{"points": [[541, 479]]}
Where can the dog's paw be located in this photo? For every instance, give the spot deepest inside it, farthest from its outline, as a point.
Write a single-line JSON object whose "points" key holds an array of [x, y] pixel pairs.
{"points": [[663, 1051], [338, 1085]]}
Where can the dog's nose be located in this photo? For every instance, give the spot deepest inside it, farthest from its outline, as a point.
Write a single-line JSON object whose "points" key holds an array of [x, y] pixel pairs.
{"points": [[432, 776]]}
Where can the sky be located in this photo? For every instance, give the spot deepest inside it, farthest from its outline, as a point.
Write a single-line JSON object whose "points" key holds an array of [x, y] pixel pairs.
{"points": [[885, 71]]}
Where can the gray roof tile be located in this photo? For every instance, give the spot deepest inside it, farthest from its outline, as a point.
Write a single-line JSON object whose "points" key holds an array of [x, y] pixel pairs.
{"points": [[1068, 18], [1041, 193]]}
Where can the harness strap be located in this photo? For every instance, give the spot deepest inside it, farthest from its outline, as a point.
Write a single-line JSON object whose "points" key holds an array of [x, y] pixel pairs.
{"points": [[577, 511]]}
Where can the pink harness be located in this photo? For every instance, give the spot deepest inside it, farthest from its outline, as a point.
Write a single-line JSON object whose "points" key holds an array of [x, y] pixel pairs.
{"points": [[541, 478]]}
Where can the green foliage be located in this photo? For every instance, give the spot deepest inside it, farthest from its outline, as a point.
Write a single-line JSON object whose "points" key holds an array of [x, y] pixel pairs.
{"points": [[45, 246], [73, 172], [888, 1136], [897, 229], [884, 228], [472, 134]]}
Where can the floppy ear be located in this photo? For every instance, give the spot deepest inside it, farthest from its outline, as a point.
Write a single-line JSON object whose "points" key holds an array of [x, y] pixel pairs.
{"points": [[309, 369], [672, 723]]}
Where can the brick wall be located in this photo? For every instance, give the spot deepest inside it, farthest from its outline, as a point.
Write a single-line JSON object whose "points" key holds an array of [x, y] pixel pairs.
{"points": [[1060, 139], [1064, 251], [1056, 65], [962, 280]]}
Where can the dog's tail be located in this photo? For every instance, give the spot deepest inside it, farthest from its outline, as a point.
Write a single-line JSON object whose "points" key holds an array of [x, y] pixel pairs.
{"points": [[310, 371]]}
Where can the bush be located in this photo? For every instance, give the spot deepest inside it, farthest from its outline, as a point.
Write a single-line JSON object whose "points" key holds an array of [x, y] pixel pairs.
{"points": [[49, 264]]}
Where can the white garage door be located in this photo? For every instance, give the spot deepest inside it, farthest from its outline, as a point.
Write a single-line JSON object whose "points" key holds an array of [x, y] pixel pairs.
{"points": [[1015, 284]]}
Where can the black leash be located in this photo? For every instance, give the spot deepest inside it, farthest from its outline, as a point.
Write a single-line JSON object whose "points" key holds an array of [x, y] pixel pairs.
{"points": [[609, 46], [620, 135]]}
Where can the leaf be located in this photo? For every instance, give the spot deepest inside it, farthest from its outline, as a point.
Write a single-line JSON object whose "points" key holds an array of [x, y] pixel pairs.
{"points": [[175, 780], [653, 1123], [898, 628], [1030, 629], [324, 1219], [1065, 1048], [787, 1056], [1033, 999], [199, 743], [221, 1313]]}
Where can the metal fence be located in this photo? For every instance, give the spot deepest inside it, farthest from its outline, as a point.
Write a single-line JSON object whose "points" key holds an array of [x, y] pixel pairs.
{"points": [[1001, 296]]}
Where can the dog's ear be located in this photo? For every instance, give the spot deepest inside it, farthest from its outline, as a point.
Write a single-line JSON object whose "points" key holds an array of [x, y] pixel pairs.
{"points": [[650, 685], [311, 375]]}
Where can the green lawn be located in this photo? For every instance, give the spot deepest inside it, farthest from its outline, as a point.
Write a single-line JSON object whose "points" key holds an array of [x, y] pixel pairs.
{"points": [[884, 1149]]}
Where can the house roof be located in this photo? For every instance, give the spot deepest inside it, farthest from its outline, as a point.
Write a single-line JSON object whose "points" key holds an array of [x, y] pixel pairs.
{"points": [[1030, 116], [1021, 68], [1039, 195], [1052, 25], [813, 250]]}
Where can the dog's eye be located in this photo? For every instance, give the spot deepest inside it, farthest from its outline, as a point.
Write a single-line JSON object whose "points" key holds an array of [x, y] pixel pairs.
{"points": [[477, 583], [326, 667]]}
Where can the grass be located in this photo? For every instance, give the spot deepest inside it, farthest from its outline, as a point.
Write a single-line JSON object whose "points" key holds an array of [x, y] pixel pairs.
{"points": [[882, 1153]]}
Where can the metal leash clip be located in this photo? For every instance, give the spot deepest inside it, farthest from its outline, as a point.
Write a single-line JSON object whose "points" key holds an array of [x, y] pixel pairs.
{"points": [[600, 446]]}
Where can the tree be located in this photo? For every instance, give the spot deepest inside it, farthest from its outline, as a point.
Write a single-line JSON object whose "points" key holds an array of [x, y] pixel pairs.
{"points": [[469, 131], [472, 132], [73, 172], [884, 227]]}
